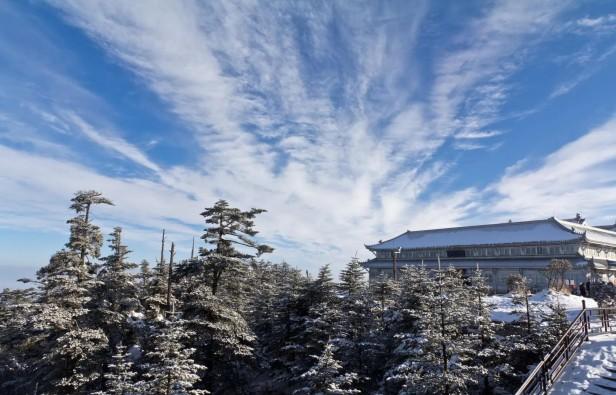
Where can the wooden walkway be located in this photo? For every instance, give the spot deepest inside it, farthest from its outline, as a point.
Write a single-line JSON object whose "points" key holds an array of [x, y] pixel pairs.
{"points": [[589, 327]]}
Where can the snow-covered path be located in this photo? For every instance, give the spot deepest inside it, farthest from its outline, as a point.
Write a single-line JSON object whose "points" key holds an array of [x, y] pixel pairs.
{"points": [[592, 370], [503, 308]]}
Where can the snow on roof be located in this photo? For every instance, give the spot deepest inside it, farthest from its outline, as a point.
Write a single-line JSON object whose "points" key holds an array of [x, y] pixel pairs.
{"points": [[611, 227], [593, 234], [550, 229]]}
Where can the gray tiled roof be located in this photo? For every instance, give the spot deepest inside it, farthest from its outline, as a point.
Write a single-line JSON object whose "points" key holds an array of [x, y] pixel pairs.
{"points": [[547, 230]]}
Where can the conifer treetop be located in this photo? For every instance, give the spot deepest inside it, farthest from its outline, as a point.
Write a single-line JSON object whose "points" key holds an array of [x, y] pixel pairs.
{"points": [[85, 199], [231, 227]]}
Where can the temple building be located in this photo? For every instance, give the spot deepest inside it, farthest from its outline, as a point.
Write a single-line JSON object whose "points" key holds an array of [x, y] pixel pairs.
{"points": [[503, 249]]}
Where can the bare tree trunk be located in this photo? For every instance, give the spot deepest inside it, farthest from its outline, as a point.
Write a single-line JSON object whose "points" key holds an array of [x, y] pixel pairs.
{"points": [[162, 249], [82, 255], [527, 310], [192, 250], [169, 279]]}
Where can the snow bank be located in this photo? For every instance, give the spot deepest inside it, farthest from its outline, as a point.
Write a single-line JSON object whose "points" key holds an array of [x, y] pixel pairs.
{"points": [[588, 366], [504, 309]]}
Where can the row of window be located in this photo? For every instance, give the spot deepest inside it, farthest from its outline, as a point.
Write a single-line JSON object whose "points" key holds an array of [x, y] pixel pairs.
{"points": [[553, 250]]}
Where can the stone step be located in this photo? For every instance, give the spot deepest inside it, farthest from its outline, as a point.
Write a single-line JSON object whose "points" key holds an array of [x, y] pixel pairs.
{"points": [[603, 386], [608, 378]]}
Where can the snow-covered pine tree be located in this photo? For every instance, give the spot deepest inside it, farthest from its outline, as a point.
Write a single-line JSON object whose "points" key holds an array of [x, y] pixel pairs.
{"points": [[490, 354], [359, 346], [276, 333], [16, 308], [554, 324], [402, 330], [120, 377], [440, 354], [352, 278], [385, 292], [522, 337], [118, 292], [221, 337], [145, 279], [520, 293], [70, 346], [323, 319], [156, 298], [170, 370], [86, 238], [228, 228], [267, 279], [324, 377]]}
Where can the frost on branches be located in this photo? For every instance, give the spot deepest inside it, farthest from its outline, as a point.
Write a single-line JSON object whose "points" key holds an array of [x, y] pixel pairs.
{"points": [[324, 377], [170, 369]]}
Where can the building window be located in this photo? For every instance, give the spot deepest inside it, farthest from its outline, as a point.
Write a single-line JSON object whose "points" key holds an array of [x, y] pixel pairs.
{"points": [[456, 253]]}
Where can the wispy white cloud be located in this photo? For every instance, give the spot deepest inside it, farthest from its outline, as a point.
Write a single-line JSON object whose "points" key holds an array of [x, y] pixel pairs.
{"points": [[604, 22], [476, 76], [592, 63], [111, 142], [472, 135], [469, 146], [579, 177]]}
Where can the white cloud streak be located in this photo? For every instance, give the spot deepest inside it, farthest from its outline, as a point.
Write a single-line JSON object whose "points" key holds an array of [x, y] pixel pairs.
{"points": [[111, 142], [579, 177]]}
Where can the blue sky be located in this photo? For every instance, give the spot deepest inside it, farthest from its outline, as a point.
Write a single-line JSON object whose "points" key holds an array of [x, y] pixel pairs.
{"points": [[349, 121]]}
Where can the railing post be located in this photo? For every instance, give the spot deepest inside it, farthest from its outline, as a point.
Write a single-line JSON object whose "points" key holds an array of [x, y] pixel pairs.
{"points": [[585, 319], [567, 347], [544, 379]]}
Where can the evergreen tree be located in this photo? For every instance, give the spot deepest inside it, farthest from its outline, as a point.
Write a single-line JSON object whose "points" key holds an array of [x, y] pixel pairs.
{"points": [[520, 292], [325, 378], [170, 369], [120, 379], [16, 308], [359, 346], [118, 292], [221, 337], [86, 237], [553, 326], [145, 278], [440, 350], [323, 319], [352, 279], [228, 229], [277, 333], [71, 346], [385, 292], [156, 297], [489, 352]]}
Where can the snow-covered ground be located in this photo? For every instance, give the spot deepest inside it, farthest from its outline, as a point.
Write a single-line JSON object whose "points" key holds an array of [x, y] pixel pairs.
{"points": [[504, 309], [583, 374]]}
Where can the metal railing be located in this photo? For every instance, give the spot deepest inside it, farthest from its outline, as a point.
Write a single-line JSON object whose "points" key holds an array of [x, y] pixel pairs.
{"points": [[545, 374]]}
